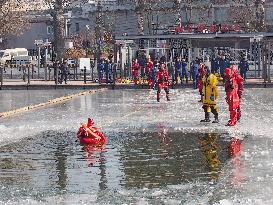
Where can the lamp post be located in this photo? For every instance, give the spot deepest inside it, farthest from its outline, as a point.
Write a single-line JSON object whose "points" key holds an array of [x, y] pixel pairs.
{"points": [[86, 40], [39, 44], [256, 40]]}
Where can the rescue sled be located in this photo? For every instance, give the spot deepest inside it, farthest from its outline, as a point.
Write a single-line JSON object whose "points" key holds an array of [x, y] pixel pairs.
{"points": [[89, 134]]}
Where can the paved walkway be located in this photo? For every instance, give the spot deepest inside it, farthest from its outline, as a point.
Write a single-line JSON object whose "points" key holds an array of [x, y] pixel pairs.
{"points": [[40, 84]]}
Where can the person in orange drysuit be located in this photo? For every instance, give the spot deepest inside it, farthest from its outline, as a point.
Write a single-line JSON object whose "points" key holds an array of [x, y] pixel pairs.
{"points": [[88, 132], [232, 95], [148, 71], [240, 82], [135, 69], [162, 79]]}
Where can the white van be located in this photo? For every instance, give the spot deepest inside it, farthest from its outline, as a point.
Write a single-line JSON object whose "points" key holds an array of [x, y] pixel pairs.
{"points": [[18, 55]]}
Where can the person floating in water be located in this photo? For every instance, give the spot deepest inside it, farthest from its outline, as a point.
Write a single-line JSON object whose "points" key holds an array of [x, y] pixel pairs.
{"points": [[89, 134]]}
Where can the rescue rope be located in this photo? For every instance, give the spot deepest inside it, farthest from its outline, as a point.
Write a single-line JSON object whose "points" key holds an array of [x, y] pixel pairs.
{"points": [[48, 103]]}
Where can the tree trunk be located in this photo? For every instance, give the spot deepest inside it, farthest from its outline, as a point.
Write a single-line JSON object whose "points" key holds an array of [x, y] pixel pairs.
{"points": [[260, 15], [58, 27], [140, 23], [140, 5]]}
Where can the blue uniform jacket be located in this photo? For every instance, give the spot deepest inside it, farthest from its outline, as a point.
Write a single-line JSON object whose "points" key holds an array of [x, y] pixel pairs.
{"points": [[194, 71], [184, 68], [243, 66]]}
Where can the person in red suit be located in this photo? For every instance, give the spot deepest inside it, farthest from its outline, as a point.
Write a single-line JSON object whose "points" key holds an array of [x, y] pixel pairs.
{"points": [[201, 74], [148, 71], [179, 28], [162, 78], [240, 82], [135, 69], [232, 95]]}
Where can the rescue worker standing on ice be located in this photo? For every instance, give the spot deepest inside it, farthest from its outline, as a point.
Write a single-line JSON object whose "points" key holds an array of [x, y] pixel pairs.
{"points": [[162, 79], [232, 94], [240, 82], [135, 69], [201, 74], [148, 71], [210, 95]]}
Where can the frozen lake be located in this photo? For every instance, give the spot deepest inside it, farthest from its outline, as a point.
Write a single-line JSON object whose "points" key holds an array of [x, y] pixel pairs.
{"points": [[157, 153]]}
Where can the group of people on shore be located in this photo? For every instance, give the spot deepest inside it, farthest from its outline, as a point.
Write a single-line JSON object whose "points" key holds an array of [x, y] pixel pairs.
{"points": [[203, 78], [105, 70], [182, 71], [63, 71], [220, 63]]}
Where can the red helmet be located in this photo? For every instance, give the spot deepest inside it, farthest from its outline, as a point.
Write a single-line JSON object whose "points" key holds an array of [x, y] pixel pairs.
{"points": [[236, 71], [90, 122], [162, 66], [233, 67], [228, 72]]}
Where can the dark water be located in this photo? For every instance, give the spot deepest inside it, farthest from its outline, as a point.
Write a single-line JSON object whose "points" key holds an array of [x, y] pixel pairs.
{"points": [[129, 167]]}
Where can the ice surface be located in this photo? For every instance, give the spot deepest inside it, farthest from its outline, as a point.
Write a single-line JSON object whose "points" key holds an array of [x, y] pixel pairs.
{"points": [[246, 179]]}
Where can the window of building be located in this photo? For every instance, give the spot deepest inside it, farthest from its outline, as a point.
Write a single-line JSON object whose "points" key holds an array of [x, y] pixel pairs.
{"points": [[49, 30], [77, 27]]}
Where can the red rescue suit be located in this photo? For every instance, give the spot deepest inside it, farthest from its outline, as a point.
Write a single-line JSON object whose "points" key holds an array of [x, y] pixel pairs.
{"points": [[201, 74], [135, 69], [240, 82], [148, 71], [149, 67], [89, 134], [232, 97], [162, 78]]}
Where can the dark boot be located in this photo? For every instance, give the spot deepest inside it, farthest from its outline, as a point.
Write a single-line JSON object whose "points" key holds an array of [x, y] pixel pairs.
{"points": [[158, 96], [238, 115], [206, 117], [168, 97], [233, 118], [201, 100], [216, 120]]}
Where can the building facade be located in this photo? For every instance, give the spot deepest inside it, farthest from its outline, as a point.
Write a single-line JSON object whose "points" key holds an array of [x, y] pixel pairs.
{"points": [[121, 15]]}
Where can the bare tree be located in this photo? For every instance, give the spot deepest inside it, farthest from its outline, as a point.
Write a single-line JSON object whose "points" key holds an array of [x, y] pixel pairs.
{"points": [[242, 13], [56, 10], [140, 9], [250, 14], [260, 15], [13, 19], [188, 6]]}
